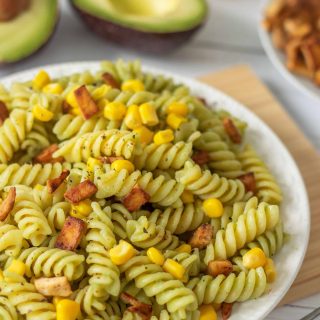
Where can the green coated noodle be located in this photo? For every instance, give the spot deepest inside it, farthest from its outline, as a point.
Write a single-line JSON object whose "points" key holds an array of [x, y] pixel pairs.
{"points": [[51, 102], [164, 156], [5, 96], [57, 215], [11, 240], [79, 78], [100, 143], [233, 288], [20, 95], [207, 185], [52, 262], [104, 275], [145, 234], [267, 188], [112, 183], [13, 132], [119, 218], [7, 310], [30, 175]]}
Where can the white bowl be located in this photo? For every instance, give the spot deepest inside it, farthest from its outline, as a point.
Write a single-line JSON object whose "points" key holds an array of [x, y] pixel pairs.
{"points": [[295, 207], [278, 59]]}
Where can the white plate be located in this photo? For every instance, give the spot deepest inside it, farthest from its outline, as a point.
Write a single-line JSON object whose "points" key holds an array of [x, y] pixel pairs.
{"points": [[295, 207], [278, 59]]}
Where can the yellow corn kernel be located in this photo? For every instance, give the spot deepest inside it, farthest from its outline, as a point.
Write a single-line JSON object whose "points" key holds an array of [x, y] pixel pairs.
{"points": [[187, 196], [213, 208], [1, 275], [17, 267], [81, 209], [148, 114], [174, 121], [207, 312], [115, 111], [40, 80], [55, 300], [254, 258], [178, 108], [145, 134], [67, 309], [75, 111], [39, 187], [53, 88], [184, 248], [155, 256], [100, 92], [118, 165], [163, 136], [42, 114], [71, 99], [133, 119], [174, 268], [270, 270], [132, 85], [121, 253]]}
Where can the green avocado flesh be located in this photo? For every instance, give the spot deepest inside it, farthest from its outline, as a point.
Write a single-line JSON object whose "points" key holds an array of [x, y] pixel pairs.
{"points": [[160, 16], [26, 33]]}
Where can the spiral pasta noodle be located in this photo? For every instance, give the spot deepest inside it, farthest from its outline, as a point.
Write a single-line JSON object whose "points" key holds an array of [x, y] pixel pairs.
{"points": [[207, 185], [101, 143], [163, 286], [163, 156], [104, 275], [13, 132], [11, 240], [268, 189], [7, 310]]}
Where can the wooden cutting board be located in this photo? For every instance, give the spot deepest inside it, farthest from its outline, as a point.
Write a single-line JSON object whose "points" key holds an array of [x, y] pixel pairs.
{"points": [[241, 83]]}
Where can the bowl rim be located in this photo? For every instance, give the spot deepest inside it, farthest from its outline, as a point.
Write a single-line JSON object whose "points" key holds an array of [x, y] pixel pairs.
{"points": [[70, 67]]}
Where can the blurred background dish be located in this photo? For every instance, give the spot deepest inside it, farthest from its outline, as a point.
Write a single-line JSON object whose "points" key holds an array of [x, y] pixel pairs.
{"points": [[290, 34]]}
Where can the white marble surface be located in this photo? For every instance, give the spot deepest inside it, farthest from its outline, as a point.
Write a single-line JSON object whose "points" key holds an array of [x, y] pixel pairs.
{"points": [[229, 37]]}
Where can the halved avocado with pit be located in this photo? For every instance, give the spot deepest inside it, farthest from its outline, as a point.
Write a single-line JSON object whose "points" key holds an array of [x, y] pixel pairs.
{"points": [[25, 31], [149, 25]]}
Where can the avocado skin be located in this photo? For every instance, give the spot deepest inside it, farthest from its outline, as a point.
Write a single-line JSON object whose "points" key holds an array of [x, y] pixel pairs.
{"points": [[142, 41]]}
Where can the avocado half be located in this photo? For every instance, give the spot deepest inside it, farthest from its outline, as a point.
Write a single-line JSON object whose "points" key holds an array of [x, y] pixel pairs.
{"points": [[27, 31], [149, 25]]}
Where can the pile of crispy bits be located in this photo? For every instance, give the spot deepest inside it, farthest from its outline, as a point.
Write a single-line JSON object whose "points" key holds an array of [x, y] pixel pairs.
{"points": [[295, 29]]}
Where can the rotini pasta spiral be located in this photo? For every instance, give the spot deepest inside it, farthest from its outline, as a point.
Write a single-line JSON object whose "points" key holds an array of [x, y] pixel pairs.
{"points": [[112, 183], [234, 287], [49, 262], [57, 215], [178, 220], [30, 175], [30, 217], [242, 230], [101, 143], [20, 94], [13, 132], [104, 275], [145, 234], [268, 189], [7, 310], [161, 285], [163, 156], [207, 185], [29, 302], [11, 240]]}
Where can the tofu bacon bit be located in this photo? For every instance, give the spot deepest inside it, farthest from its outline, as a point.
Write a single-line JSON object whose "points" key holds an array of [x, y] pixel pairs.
{"points": [[54, 184], [71, 234], [201, 157], [136, 198], [86, 104], [7, 204], [58, 286], [142, 309], [249, 182], [232, 131], [4, 113], [226, 310], [46, 155], [202, 236], [82, 191], [109, 79], [224, 267]]}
